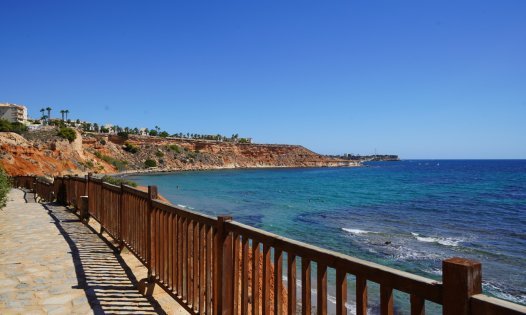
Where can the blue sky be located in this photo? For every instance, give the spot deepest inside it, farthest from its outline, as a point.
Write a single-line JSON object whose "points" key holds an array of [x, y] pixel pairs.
{"points": [[422, 79]]}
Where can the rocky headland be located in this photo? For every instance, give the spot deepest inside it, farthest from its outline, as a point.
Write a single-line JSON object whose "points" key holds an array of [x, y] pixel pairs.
{"points": [[44, 153]]}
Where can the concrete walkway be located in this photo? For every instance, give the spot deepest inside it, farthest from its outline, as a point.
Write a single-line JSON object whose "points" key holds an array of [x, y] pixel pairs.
{"points": [[51, 263]]}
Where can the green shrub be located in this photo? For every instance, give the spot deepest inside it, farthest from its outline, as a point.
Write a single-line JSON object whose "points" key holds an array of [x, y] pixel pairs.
{"points": [[4, 187], [164, 134], [128, 147], [6, 126], [159, 154], [118, 164], [150, 163], [123, 135], [175, 148], [118, 181], [67, 133]]}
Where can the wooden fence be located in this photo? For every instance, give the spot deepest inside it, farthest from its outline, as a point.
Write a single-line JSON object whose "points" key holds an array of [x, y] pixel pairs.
{"points": [[219, 266]]}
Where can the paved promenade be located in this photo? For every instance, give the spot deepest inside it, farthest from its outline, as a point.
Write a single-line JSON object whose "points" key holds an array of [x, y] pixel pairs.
{"points": [[51, 263]]}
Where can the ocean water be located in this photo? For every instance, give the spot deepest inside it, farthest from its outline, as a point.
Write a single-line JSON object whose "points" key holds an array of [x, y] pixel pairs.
{"points": [[409, 215]]}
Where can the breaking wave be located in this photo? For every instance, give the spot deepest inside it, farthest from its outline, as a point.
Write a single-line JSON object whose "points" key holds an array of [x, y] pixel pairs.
{"points": [[446, 241], [356, 231]]}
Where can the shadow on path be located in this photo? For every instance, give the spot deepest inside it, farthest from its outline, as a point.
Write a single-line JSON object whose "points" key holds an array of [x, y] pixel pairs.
{"points": [[110, 285]]}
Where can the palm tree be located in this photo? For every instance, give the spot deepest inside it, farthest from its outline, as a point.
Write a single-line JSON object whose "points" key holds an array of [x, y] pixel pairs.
{"points": [[62, 112], [66, 112], [49, 112], [42, 111]]}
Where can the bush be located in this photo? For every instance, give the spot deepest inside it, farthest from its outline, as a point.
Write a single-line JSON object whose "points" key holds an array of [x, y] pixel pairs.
{"points": [[6, 126], [4, 187], [175, 148], [118, 181], [159, 154], [123, 135], [118, 164], [102, 141], [67, 133], [150, 163], [128, 147], [164, 134]]}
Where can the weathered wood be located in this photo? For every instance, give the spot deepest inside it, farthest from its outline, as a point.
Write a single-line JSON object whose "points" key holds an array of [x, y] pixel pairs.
{"points": [[322, 289], [341, 292], [195, 216], [244, 276], [306, 303], [236, 274], [152, 194], [256, 275], [403, 281], [223, 286], [180, 257], [169, 252], [210, 254], [267, 302], [361, 296], [462, 279], [386, 300], [195, 302], [202, 268], [418, 306], [484, 305], [278, 281], [185, 260], [291, 283], [84, 213]]}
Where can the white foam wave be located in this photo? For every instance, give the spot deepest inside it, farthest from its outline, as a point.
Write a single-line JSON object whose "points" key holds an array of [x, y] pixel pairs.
{"points": [[356, 231], [446, 241]]}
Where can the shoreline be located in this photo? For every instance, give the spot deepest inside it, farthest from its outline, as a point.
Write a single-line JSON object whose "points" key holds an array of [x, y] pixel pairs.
{"points": [[154, 171]]}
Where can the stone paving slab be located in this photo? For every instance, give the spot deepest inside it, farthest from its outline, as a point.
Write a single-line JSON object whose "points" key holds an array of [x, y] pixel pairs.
{"points": [[51, 263]]}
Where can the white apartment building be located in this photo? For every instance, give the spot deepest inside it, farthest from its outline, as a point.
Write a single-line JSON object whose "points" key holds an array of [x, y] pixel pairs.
{"points": [[13, 112]]}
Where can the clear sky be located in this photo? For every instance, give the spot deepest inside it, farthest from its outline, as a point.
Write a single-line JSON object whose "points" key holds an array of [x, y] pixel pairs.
{"points": [[422, 79]]}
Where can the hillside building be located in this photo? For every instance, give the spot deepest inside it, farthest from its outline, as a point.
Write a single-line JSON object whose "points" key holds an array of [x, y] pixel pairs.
{"points": [[13, 113]]}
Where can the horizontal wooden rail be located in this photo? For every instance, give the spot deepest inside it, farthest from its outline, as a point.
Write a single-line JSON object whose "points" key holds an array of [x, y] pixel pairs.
{"points": [[407, 282], [219, 266], [484, 305]]}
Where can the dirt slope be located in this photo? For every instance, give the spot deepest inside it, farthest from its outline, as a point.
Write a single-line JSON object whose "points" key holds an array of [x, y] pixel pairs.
{"points": [[43, 153]]}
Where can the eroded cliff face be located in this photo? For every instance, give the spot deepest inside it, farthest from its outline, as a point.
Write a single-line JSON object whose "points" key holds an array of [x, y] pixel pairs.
{"points": [[43, 153]]}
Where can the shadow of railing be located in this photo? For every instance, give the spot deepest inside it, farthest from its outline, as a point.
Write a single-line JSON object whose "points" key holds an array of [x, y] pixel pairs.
{"points": [[110, 285]]}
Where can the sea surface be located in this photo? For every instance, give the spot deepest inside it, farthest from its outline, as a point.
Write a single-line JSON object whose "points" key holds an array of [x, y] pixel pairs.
{"points": [[409, 215]]}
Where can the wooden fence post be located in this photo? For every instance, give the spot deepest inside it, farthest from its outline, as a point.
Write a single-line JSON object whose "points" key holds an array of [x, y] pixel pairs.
{"points": [[223, 269], [461, 279], [152, 194], [84, 213], [121, 218], [88, 177]]}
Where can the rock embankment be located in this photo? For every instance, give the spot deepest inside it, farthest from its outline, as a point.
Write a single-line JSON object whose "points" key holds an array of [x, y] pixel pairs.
{"points": [[44, 153]]}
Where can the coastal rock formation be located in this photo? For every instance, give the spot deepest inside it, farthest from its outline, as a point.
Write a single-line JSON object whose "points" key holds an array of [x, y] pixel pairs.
{"points": [[45, 153]]}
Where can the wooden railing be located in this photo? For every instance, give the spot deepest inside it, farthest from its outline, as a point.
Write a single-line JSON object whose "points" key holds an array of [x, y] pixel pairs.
{"points": [[44, 190], [219, 266]]}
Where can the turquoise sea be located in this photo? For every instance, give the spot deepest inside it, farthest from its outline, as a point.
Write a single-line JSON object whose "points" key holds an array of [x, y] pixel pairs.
{"points": [[410, 214]]}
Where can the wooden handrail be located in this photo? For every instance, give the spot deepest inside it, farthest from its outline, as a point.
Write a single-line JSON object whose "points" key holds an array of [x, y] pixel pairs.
{"points": [[188, 214], [203, 261], [483, 304], [407, 282]]}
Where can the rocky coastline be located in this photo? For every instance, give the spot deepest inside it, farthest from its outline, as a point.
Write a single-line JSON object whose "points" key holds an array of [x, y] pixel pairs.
{"points": [[43, 153]]}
